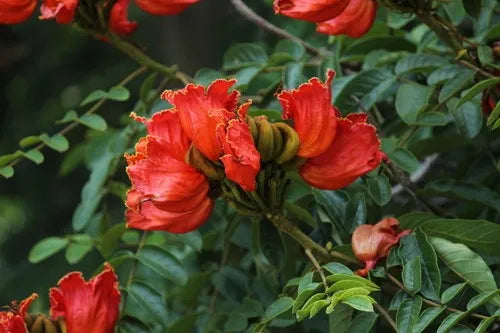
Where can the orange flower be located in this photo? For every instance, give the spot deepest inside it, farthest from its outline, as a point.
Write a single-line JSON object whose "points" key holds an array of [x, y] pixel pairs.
{"points": [[339, 150], [164, 7], [118, 18], [167, 193], [315, 120], [13, 321], [62, 10], [354, 21], [212, 119], [373, 242], [333, 17], [91, 306], [16, 11]]}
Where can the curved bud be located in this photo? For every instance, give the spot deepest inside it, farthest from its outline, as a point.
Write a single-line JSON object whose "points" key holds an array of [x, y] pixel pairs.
{"points": [[41, 325], [265, 143], [197, 160], [254, 130], [278, 142], [291, 143]]}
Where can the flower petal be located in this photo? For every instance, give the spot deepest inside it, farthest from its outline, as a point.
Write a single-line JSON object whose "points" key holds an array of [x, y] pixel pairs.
{"points": [[62, 10], [164, 7], [354, 152], [16, 11], [118, 19], [310, 10], [354, 21], [310, 107], [13, 321], [91, 306]]}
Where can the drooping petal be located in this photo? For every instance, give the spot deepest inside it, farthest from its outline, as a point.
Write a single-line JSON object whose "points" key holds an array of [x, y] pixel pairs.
{"points": [[354, 152], [201, 111], [13, 321], [241, 159], [16, 11], [164, 7], [310, 10], [118, 19], [91, 306], [315, 121], [354, 21], [370, 243], [62, 10]]}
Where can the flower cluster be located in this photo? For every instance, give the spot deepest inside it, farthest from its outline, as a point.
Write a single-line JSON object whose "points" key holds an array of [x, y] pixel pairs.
{"points": [[76, 305], [371, 243], [208, 142], [64, 11], [333, 17]]}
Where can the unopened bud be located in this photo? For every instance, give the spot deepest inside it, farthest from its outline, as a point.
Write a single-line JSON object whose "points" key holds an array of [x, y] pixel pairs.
{"points": [[290, 142], [265, 143], [197, 160]]}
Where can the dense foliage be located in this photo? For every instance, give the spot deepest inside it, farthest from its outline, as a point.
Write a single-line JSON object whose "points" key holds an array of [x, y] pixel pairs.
{"points": [[357, 192]]}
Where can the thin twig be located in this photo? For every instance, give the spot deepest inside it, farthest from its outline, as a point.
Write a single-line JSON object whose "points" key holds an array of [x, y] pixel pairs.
{"points": [[317, 266], [244, 10], [474, 67], [386, 316]]}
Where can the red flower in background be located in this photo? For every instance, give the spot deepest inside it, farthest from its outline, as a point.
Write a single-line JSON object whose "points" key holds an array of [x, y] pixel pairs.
{"points": [[62, 10], [354, 21], [91, 306], [339, 150], [13, 321], [164, 7], [167, 193], [16, 11], [212, 119], [371, 243], [333, 17], [118, 18]]}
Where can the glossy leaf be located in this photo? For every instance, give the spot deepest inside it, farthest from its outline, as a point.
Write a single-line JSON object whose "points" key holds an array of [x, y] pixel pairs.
{"points": [[407, 315], [149, 300], [379, 189], [426, 318], [46, 248], [452, 292], [163, 263], [476, 89], [244, 55]]}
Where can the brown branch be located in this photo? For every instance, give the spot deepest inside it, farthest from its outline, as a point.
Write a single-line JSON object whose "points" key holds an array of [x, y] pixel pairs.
{"points": [[317, 266], [386, 316]]}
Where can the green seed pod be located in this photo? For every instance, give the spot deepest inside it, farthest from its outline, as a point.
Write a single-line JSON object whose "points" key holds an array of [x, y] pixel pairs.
{"points": [[278, 142], [197, 160], [291, 143], [265, 143], [254, 130]]}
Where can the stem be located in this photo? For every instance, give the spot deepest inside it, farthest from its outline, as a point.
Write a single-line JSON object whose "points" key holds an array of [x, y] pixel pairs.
{"points": [[248, 13], [317, 266], [133, 269], [428, 19], [474, 67], [386, 316]]}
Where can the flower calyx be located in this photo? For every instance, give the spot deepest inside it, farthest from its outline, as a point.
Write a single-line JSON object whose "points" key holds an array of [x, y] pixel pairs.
{"points": [[41, 324]]}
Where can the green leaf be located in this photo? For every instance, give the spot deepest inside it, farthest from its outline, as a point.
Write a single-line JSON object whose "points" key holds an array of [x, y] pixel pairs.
{"points": [[34, 155], [294, 49], [205, 76], [466, 264], [480, 299], [426, 318], [355, 214], [411, 99], [272, 245], [149, 300], [93, 121], [404, 159], [465, 191], [419, 63], [70, 116], [363, 322], [278, 307], [398, 298], [456, 84], [111, 240], [485, 55], [335, 268], [132, 325], [341, 277], [164, 263], [359, 302], [494, 115], [407, 315], [118, 93], [244, 76], [379, 189], [472, 7], [7, 172], [29, 141], [340, 319], [147, 86], [364, 45], [244, 55], [443, 74], [236, 322], [452, 292], [468, 118], [303, 295], [94, 96], [231, 283], [476, 89], [78, 247], [46, 248], [450, 321], [57, 142], [484, 324], [292, 75], [300, 213], [318, 306], [412, 275]]}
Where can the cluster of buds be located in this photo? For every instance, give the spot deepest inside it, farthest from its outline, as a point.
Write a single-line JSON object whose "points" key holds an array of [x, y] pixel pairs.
{"points": [[207, 145]]}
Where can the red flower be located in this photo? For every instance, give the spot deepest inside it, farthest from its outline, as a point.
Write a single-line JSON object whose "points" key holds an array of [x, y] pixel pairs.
{"points": [[118, 18], [354, 21], [13, 321], [315, 120], [164, 7], [62, 10], [16, 11], [373, 242], [167, 193], [310, 10], [212, 120], [355, 151], [91, 306]]}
